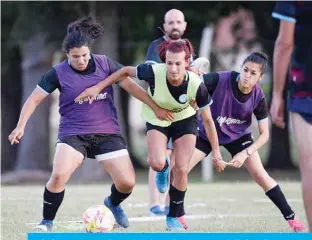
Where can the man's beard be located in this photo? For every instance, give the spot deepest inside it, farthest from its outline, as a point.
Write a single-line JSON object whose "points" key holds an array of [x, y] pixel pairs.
{"points": [[175, 35]]}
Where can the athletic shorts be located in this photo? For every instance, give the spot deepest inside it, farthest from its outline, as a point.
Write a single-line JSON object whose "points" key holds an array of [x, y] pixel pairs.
{"points": [[98, 146], [176, 129], [233, 147], [302, 106]]}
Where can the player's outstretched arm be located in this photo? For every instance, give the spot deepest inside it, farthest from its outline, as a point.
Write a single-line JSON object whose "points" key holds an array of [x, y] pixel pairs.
{"points": [[117, 76], [36, 97], [138, 92]]}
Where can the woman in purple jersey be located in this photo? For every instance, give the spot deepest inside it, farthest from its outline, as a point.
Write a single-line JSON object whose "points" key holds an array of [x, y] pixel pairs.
{"points": [[86, 130], [236, 97]]}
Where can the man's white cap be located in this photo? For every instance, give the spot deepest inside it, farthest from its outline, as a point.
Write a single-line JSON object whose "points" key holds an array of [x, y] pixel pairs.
{"points": [[201, 64]]}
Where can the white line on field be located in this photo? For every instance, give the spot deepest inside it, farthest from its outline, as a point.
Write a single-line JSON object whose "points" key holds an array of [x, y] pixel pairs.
{"points": [[145, 204], [201, 216]]}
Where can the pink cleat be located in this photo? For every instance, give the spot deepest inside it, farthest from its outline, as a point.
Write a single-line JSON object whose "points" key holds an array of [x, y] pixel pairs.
{"points": [[297, 225], [183, 222]]}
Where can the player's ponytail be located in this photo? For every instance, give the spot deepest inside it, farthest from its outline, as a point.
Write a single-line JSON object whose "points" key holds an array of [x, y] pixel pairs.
{"points": [[81, 33]]}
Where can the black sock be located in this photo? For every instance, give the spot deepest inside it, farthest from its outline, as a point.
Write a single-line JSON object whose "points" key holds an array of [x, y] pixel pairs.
{"points": [[278, 198], [117, 197], [182, 212], [51, 203], [176, 207]]}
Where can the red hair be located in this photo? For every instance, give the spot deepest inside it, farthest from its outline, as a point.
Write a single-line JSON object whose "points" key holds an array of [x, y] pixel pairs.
{"points": [[176, 47]]}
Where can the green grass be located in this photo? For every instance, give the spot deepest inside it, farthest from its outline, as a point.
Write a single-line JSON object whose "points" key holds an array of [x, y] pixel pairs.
{"points": [[229, 207]]}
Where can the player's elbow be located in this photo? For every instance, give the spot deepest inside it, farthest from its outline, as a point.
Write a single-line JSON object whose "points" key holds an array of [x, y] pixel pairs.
{"points": [[208, 122], [265, 136], [284, 46]]}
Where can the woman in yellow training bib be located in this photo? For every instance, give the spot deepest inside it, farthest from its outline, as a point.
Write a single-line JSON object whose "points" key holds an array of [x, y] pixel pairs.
{"points": [[172, 86]]}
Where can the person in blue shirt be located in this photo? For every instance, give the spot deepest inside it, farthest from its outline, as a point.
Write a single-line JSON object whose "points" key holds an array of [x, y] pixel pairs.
{"points": [[294, 47]]}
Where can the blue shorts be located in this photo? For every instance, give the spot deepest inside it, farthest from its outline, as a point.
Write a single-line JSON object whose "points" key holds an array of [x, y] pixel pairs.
{"points": [[303, 106]]}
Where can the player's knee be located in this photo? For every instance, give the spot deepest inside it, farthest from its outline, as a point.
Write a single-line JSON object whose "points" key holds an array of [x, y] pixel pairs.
{"points": [[126, 185], [155, 164], [180, 171], [261, 178], [58, 179]]}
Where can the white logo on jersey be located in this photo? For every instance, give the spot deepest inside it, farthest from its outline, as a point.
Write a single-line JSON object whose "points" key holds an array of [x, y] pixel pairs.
{"points": [[229, 121], [100, 96], [182, 98]]}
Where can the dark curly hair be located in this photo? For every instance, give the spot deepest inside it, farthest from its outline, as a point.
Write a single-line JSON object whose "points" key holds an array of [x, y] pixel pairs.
{"points": [[81, 33]]}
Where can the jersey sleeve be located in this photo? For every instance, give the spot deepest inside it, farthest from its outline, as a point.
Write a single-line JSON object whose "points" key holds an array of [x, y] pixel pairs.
{"points": [[285, 10], [203, 98], [211, 81], [49, 82], [145, 72], [261, 111]]}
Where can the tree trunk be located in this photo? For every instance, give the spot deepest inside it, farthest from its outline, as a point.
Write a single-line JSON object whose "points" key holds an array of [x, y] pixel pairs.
{"points": [[34, 147], [33, 163], [11, 90]]}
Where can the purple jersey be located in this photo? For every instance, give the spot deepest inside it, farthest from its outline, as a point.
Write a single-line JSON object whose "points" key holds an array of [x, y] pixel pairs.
{"points": [[80, 117], [232, 118]]}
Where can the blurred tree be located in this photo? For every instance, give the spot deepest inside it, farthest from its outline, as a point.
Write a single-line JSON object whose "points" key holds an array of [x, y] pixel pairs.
{"points": [[10, 86], [37, 32]]}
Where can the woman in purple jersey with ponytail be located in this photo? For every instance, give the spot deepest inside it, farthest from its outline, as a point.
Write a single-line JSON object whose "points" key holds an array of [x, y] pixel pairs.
{"points": [[86, 130], [236, 97]]}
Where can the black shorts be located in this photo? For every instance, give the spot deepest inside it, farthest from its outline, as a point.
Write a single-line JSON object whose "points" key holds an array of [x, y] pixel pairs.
{"points": [[177, 129], [233, 147], [99, 146]]}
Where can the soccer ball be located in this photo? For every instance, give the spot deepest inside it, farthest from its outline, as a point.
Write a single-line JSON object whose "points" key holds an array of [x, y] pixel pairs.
{"points": [[98, 219]]}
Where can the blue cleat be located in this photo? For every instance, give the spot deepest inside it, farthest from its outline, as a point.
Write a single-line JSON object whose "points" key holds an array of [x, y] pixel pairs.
{"points": [[44, 226], [156, 211], [175, 224], [162, 178], [118, 213]]}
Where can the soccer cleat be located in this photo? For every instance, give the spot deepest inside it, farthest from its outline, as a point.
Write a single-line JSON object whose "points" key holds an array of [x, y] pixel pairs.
{"points": [[44, 226], [183, 222], [118, 213], [156, 211], [162, 178], [174, 224], [297, 225]]}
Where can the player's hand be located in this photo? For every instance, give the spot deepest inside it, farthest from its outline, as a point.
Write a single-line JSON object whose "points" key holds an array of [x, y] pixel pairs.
{"points": [[193, 103], [164, 114], [16, 135], [239, 159], [89, 93], [219, 164], [217, 161], [277, 111]]}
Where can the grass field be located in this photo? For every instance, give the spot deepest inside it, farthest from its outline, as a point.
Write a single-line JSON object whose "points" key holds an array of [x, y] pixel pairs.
{"points": [[215, 207]]}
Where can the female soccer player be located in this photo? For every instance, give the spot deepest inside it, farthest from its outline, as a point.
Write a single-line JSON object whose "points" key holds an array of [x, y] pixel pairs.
{"points": [[86, 130], [171, 86], [236, 96]]}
